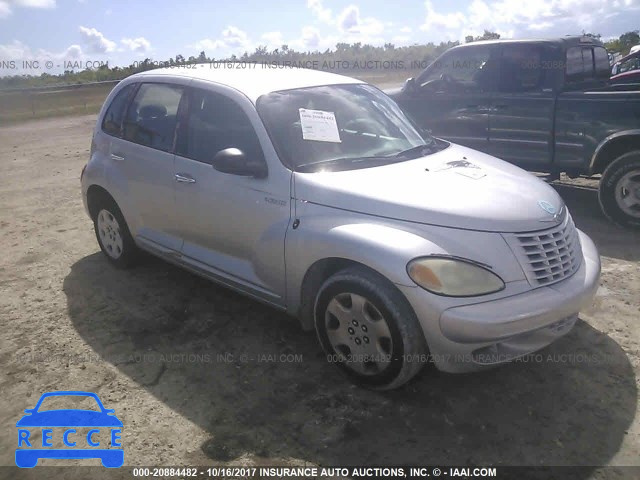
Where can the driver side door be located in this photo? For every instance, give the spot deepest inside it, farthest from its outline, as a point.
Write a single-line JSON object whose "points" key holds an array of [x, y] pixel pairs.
{"points": [[452, 97], [233, 226]]}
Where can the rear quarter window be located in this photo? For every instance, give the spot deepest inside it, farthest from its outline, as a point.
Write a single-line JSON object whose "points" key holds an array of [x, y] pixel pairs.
{"points": [[586, 63], [112, 121]]}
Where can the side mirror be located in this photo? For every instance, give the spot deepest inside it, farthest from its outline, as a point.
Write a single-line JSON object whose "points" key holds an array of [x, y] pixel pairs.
{"points": [[235, 162], [409, 85]]}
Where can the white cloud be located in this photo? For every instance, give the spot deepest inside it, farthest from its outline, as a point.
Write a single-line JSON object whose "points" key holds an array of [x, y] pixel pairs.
{"points": [[96, 41], [35, 3], [323, 14], [349, 24], [233, 41], [442, 22], [311, 38], [73, 52], [350, 21], [517, 18], [138, 45], [5, 9], [21, 53], [406, 30], [5, 5]]}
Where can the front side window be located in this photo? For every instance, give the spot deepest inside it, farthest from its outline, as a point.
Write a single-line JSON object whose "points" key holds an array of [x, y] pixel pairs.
{"points": [[215, 123], [521, 68], [340, 127], [152, 116], [112, 121], [468, 69]]}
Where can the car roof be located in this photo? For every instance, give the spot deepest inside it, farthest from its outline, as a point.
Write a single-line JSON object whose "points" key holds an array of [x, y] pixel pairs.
{"points": [[252, 79], [568, 41]]}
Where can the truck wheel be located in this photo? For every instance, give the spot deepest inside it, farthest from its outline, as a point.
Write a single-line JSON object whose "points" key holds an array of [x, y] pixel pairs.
{"points": [[368, 329], [619, 193], [113, 235]]}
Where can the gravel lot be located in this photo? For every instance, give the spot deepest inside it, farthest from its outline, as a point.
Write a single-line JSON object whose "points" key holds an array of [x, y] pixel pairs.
{"points": [[198, 376]]}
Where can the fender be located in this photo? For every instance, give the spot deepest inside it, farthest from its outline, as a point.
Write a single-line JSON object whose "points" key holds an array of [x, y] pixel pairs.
{"points": [[606, 141], [384, 245]]}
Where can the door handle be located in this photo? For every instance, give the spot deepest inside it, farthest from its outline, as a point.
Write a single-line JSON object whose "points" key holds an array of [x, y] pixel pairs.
{"points": [[117, 158], [184, 178]]}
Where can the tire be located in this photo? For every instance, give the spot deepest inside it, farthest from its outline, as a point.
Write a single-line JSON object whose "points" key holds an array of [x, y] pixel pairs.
{"points": [[112, 233], [369, 354], [619, 192]]}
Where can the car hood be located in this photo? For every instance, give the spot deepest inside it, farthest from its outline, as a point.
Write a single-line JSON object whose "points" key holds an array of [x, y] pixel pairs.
{"points": [[69, 418], [455, 187]]}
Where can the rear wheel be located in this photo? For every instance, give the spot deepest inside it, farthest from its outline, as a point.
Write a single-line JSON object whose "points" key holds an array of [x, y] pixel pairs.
{"points": [[113, 235], [368, 329], [619, 193]]}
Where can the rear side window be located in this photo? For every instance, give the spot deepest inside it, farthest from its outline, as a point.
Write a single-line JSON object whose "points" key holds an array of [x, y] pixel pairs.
{"points": [[601, 59], [216, 122], [112, 122], [152, 116], [584, 63]]}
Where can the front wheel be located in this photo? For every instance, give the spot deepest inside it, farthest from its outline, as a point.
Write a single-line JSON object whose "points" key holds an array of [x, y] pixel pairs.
{"points": [[368, 329], [619, 193]]}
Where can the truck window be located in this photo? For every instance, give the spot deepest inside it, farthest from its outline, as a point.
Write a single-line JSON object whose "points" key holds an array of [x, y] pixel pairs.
{"points": [[521, 69], [602, 65], [467, 69], [584, 63]]}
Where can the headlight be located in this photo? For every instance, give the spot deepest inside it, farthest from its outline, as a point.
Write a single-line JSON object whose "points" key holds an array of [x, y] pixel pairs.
{"points": [[453, 277]]}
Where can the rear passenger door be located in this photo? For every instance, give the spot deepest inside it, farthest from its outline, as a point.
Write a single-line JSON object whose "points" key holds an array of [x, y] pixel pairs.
{"points": [[145, 156], [521, 118], [233, 226]]}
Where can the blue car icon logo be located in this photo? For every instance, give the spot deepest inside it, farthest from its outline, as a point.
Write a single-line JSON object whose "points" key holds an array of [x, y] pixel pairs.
{"points": [[101, 425]]}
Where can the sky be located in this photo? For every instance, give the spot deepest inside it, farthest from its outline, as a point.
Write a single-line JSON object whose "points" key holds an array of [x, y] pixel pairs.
{"points": [[123, 32]]}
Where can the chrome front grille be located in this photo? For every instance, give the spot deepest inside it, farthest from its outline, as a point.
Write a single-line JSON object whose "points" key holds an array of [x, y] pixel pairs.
{"points": [[548, 256]]}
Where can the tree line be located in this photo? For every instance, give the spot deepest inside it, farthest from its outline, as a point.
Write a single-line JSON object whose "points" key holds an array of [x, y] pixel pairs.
{"points": [[343, 53]]}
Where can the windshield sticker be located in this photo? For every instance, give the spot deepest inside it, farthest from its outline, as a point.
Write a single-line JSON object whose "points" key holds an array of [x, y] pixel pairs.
{"points": [[319, 126]]}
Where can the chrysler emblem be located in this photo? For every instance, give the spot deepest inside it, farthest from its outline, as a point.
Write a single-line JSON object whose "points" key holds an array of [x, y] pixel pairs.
{"points": [[547, 207], [556, 215]]}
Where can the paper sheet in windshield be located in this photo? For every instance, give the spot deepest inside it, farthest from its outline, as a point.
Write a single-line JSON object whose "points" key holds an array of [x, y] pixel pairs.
{"points": [[319, 126]]}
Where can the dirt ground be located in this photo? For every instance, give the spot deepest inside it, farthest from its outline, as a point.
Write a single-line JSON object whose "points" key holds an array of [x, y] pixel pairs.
{"points": [[200, 375]]}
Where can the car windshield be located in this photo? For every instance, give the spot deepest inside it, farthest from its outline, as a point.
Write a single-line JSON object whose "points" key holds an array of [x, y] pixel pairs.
{"points": [[66, 402], [338, 127]]}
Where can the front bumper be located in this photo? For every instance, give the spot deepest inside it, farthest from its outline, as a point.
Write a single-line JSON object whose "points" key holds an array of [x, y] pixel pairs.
{"points": [[466, 338]]}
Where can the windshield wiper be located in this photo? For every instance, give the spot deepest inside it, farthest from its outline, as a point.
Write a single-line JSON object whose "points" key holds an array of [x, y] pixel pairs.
{"points": [[340, 160], [418, 150]]}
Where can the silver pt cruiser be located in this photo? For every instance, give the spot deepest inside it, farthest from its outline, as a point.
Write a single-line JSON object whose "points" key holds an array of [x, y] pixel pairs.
{"points": [[314, 193]]}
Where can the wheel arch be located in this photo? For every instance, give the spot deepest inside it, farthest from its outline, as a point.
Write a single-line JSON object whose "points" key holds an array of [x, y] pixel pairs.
{"points": [[95, 195], [613, 147], [313, 279]]}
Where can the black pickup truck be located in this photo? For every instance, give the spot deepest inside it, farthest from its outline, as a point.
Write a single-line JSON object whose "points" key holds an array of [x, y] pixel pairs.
{"points": [[544, 105]]}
